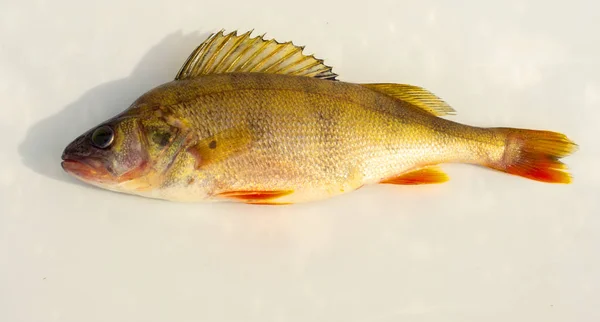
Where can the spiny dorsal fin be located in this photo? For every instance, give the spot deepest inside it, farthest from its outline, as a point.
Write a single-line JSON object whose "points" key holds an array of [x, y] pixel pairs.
{"points": [[415, 95], [231, 53]]}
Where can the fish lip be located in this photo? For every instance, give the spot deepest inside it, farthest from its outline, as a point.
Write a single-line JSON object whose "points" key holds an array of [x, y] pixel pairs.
{"points": [[73, 166], [84, 168]]}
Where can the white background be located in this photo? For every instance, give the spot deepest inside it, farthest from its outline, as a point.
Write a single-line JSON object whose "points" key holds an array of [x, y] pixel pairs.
{"points": [[483, 247]]}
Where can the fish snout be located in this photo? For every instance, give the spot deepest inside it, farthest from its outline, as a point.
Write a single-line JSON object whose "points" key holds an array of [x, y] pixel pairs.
{"points": [[80, 160]]}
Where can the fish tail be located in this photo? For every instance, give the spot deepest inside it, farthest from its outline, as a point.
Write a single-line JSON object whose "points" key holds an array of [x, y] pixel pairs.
{"points": [[534, 154]]}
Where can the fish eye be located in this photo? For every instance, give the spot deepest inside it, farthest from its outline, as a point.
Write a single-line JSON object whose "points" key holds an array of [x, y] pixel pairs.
{"points": [[103, 137]]}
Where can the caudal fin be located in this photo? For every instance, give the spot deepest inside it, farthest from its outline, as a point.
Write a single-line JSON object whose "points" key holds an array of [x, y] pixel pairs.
{"points": [[535, 155]]}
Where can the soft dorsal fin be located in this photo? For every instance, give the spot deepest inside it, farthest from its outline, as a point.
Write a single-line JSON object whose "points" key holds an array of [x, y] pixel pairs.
{"points": [[415, 95], [229, 53]]}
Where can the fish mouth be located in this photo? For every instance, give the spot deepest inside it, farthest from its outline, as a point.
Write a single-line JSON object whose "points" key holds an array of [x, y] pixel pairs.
{"points": [[86, 169]]}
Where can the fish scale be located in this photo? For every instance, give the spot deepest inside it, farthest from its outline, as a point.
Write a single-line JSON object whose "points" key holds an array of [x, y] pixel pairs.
{"points": [[339, 149]]}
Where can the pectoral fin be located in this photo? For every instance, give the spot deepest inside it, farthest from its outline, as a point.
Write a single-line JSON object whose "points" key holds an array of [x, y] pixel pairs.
{"points": [[221, 146]]}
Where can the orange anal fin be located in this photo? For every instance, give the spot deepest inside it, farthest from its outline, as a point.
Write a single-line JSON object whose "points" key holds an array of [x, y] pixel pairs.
{"points": [[428, 175], [256, 197]]}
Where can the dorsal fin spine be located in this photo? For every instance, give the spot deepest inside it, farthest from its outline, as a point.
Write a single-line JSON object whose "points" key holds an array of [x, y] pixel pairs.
{"points": [[204, 49], [256, 52], [216, 53], [240, 55], [307, 67], [292, 53], [266, 58], [233, 47]]}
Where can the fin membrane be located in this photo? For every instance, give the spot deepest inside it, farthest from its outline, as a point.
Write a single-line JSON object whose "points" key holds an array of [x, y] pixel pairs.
{"points": [[416, 96], [256, 197], [428, 175], [535, 155], [230, 53]]}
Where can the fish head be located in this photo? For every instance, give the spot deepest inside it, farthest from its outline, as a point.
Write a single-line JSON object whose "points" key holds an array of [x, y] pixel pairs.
{"points": [[108, 154], [126, 154]]}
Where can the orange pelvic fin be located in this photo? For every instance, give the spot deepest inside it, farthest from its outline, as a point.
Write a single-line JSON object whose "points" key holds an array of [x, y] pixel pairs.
{"points": [[428, 175], [257, 197], [535, 155]]}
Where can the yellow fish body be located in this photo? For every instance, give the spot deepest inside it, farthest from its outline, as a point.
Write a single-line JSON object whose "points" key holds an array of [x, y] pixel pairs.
{"points": [[257, 121]]}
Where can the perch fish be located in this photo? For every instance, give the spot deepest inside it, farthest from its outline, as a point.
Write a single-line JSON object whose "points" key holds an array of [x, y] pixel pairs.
{"points": [[253, 120]]}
